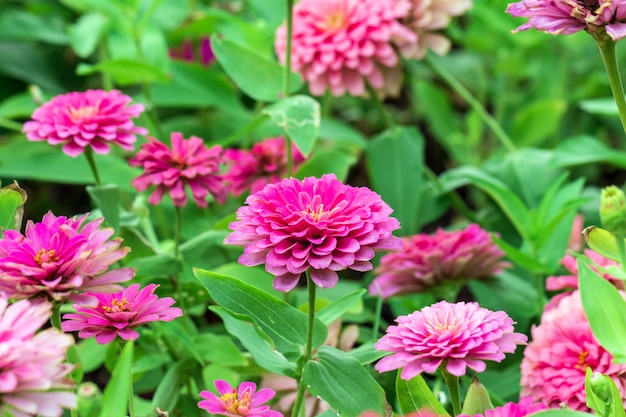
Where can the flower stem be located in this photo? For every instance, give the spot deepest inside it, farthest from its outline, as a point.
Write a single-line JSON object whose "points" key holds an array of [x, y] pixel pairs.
{"points": [[286, 82], [380, 106], [453, 387], [55, 319], [92, 165], [178, 225], [609, 57]]}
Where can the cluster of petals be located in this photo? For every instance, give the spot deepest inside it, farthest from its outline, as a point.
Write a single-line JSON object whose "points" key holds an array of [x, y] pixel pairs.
{"points": [[453, 336], [429, 261], [59, 257], [318, 225], [118, 314], [524, 407], [189, 162], [245, 401], [264, 163], [93, 118], [562, 348], [571, 16], [188, 51], [33, 374], [340, 45]]}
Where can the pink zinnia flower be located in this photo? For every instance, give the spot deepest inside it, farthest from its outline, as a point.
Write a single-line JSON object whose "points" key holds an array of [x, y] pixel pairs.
{"points": [[445, 258], [245, 401], [118, 314], [186, 51], [571, 16], [525, 407], [188, 163], [32, 368], [94, 118], [341, 44], [453, 336], [59, 257], [318, 225], [561, 350], [265, 163]]}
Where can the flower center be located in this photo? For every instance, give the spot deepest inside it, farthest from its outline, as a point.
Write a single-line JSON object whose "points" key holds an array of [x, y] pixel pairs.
{"points": [[234, 404], [315, 213], [82, 113], [117, 306], [582, 361], [45, 256]]}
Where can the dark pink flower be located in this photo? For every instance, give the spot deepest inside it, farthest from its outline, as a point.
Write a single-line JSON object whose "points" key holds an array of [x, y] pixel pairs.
{"points": [[59, 257], [94, 118], [32, 369], [339, 45], [118, 314], [445, 258], [525, 407], [186, 51], [245, 401], [318, 225], [561, 350], [265, 163], [188, 163], [453, 336]]}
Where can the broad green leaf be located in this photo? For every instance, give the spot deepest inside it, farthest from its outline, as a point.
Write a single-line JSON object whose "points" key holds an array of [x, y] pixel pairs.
{"points": [[86, 34], [538, 121], [21, 25], [605, 309], [256, 276], [125, 71], [149, 362], [395, 161], [115, 399], [219, 349], [337, 308], [168, 391], [300, 117], [342, 382], [26, 62], [608, 407], [157, 265], [415, 395], [561, 412], [107, 199], [601, 241], [20, 105], [509, 289], [602, 106], [91, 354], [12, 199], [521, 258], [582, 150], [339, 132], [326, 161], [195, 248], [367, 353]]}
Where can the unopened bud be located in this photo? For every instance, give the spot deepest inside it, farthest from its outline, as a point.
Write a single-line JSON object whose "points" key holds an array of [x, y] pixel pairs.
{"points": [[477, 399], [613, 210], [601, 386]]}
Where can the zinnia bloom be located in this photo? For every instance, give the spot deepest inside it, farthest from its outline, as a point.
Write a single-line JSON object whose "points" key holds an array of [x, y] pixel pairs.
{"points": [[94, 118], [31, 364], [59, 257], [245, 401], [445, 258], [453, 336], [118, 314], [188, 163], [561, 350], [186, 51], [525, 407], [341, 44], [265, 163], [570, 16], [318, 224]]}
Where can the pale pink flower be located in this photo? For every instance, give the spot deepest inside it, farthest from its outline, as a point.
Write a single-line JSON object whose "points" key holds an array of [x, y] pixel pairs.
{"points": [[60, 257], [561, 350], [570, 16], [524, 407], [265, 163], [188, 163], [118, 314], [339, 45], [245, 401], [452, 336], [434, 261], [32, 369], [94, 118], [318, 225]]}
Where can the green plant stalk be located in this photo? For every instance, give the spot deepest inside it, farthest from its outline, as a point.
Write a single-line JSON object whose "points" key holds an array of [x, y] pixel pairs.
{"points": [[380, 106], [286, 81], [178, 226], [55, 321], [609, 57], [621, 249], [10, 124], [92, 165], [377, 313], [452, 383]]}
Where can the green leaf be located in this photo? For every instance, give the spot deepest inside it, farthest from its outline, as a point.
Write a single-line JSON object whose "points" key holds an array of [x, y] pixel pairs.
{"points": [[561, 412], [604, 385], [367, 353], [168, 391], [115, 399], [20, 25], [509, 289], [605, 309], [582, 150], [91, 354], [337, 308], [157, 265], [477, 399], [219, 349], [257, 76], [20, 105], [536, 122], [327, 161], [414, 395], [180, 337], [300, 117], [340, 132], [521, 258], [342, 382], [395, 161], [601, 241], [87, 32], [11, 201], [125, 71], [107, 199]]}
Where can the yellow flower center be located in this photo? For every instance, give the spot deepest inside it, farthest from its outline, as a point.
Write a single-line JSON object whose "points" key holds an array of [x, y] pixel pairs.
{"points": [[334, 21], [45, 256], [117, 306], [315, 213], [82, 113], [582, 361], [234, 404]]}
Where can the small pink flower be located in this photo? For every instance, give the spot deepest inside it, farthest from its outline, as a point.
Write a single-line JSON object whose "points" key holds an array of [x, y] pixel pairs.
{"points": [[342, 44], [245, 401], [32, 369], [318, 224], [94, 118], [186, 51], [561, 350], [445, 258], [59, 257], [188, 163], [118, 314], [265, 163], [525, 407], [453, 336]]}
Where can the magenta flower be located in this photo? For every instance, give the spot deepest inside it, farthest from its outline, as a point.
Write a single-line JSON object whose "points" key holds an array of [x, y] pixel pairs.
{"points": [[245, 401], [188, 163], [60, 257], [94, 118], [118, 314], [186, 51], [265, 163], [32, 369], [318, 225], [439, 260], [571, 16], [453, 336], [342, 44], [525, 407], [561, 350]]}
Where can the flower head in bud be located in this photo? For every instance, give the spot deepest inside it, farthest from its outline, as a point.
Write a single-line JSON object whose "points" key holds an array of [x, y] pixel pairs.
{"points": [[613, 210], [600, 384]]}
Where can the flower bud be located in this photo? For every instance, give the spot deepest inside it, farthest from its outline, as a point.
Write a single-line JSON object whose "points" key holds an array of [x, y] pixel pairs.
{"points": [[477, 399], [613, 210], [601, 386]]}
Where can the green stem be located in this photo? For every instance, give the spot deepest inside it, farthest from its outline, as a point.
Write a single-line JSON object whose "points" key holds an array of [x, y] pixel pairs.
{"points": [[152, 113], [131, 396], [55, 319], [495, 127], [380, 106], [454, 389], [178, 226], [377, 313], [540, 285], [107, 82], [92, 165], [286, 83], [10, 124], [621, 249], [609, 57]]}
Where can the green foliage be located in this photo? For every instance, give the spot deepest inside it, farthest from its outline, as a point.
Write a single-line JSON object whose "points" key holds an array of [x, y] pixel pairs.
{"points": [[415, 395]]}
